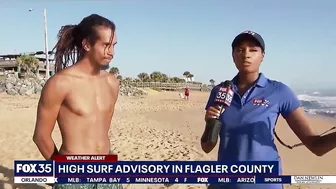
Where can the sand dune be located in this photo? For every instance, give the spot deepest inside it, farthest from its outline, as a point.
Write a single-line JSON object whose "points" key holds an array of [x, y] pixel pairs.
{"points": [[158, 127]]}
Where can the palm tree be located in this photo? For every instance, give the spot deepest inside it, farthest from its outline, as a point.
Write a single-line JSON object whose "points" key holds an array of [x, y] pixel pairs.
{"points": [[186, 75], [164, 78], [28, 63], [115, 71], [156, 76], [191, 77], [212, 82], [128, 79], [143, 77]]}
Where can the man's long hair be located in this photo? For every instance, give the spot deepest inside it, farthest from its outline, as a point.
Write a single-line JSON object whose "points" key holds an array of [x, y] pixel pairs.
{"points": [[69, 48]]}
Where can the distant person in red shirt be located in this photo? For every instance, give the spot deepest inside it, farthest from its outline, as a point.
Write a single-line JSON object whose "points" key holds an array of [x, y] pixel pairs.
{"points": [[186, 93]]}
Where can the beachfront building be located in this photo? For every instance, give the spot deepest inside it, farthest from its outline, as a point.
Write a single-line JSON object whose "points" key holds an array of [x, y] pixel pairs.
{"points": [[8, 62]]}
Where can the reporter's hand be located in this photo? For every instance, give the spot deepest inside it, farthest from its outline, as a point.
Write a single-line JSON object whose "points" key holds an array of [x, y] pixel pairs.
{"points": [[212, 112]]}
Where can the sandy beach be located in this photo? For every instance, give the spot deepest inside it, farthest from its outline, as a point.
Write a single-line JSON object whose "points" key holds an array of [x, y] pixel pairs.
{"points": [[159, 126]]}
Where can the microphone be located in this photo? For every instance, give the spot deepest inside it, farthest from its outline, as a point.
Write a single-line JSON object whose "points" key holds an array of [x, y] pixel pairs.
{"points": [[222, 99]]}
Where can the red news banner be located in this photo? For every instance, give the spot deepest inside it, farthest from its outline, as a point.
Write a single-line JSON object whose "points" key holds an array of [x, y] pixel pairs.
{"points": [[86, 158]]}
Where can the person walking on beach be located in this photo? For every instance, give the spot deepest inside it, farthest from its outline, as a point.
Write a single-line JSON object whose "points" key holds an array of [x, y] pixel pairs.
{"points": [[80, 97], [186, 93], [248, 124]]}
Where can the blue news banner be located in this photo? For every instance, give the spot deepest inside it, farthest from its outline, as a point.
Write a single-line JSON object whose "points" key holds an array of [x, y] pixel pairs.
{"points": [[148, 172]]}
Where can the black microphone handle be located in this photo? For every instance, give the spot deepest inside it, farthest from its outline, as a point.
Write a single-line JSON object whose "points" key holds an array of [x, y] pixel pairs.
{"points": [[211, 132], [213, 125]]}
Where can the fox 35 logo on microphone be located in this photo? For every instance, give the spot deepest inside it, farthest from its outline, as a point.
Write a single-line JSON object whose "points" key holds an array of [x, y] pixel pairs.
{"points": [[33, 168], [224, 96]]}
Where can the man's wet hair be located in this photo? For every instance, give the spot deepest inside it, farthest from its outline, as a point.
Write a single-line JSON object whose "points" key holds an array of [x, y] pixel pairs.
{"points": [[69, 48]]}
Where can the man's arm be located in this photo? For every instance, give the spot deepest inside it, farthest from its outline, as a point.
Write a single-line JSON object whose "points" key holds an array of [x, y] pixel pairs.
{"points": [[297, 120], [52, 97]]}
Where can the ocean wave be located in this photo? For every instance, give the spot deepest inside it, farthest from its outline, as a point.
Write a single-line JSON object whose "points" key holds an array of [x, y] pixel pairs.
{"points": [[316, 104]]}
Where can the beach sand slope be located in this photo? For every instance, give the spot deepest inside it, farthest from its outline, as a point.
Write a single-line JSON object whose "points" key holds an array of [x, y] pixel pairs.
{"points": [[160, 126]]}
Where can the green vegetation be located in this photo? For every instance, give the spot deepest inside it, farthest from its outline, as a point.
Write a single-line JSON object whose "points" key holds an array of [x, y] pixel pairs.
{"points": [[155, 76], [28, 63]]}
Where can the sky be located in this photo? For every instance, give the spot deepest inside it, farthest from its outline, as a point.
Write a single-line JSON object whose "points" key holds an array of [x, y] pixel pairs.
{"points": [[191, 35]]}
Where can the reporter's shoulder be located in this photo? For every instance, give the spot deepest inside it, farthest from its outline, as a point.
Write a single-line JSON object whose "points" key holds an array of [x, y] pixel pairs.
{"points": [[279, 86]]}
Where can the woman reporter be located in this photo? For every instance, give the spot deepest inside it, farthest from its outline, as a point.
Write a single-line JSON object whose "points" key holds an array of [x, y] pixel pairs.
{"points": [[247, 125]]}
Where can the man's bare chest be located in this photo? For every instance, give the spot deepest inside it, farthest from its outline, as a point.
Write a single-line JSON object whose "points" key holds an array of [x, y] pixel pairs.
{"points": [[91, 100]]}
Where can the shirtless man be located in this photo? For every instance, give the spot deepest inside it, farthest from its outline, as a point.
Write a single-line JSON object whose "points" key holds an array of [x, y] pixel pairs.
{"points": [[81, 97]]}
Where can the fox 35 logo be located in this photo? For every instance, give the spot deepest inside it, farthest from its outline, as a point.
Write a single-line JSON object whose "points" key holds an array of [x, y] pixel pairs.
{"points": [[33, 168]]}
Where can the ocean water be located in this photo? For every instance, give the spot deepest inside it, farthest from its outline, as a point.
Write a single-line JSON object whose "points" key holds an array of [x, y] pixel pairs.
{"points": [[319, 103]]}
